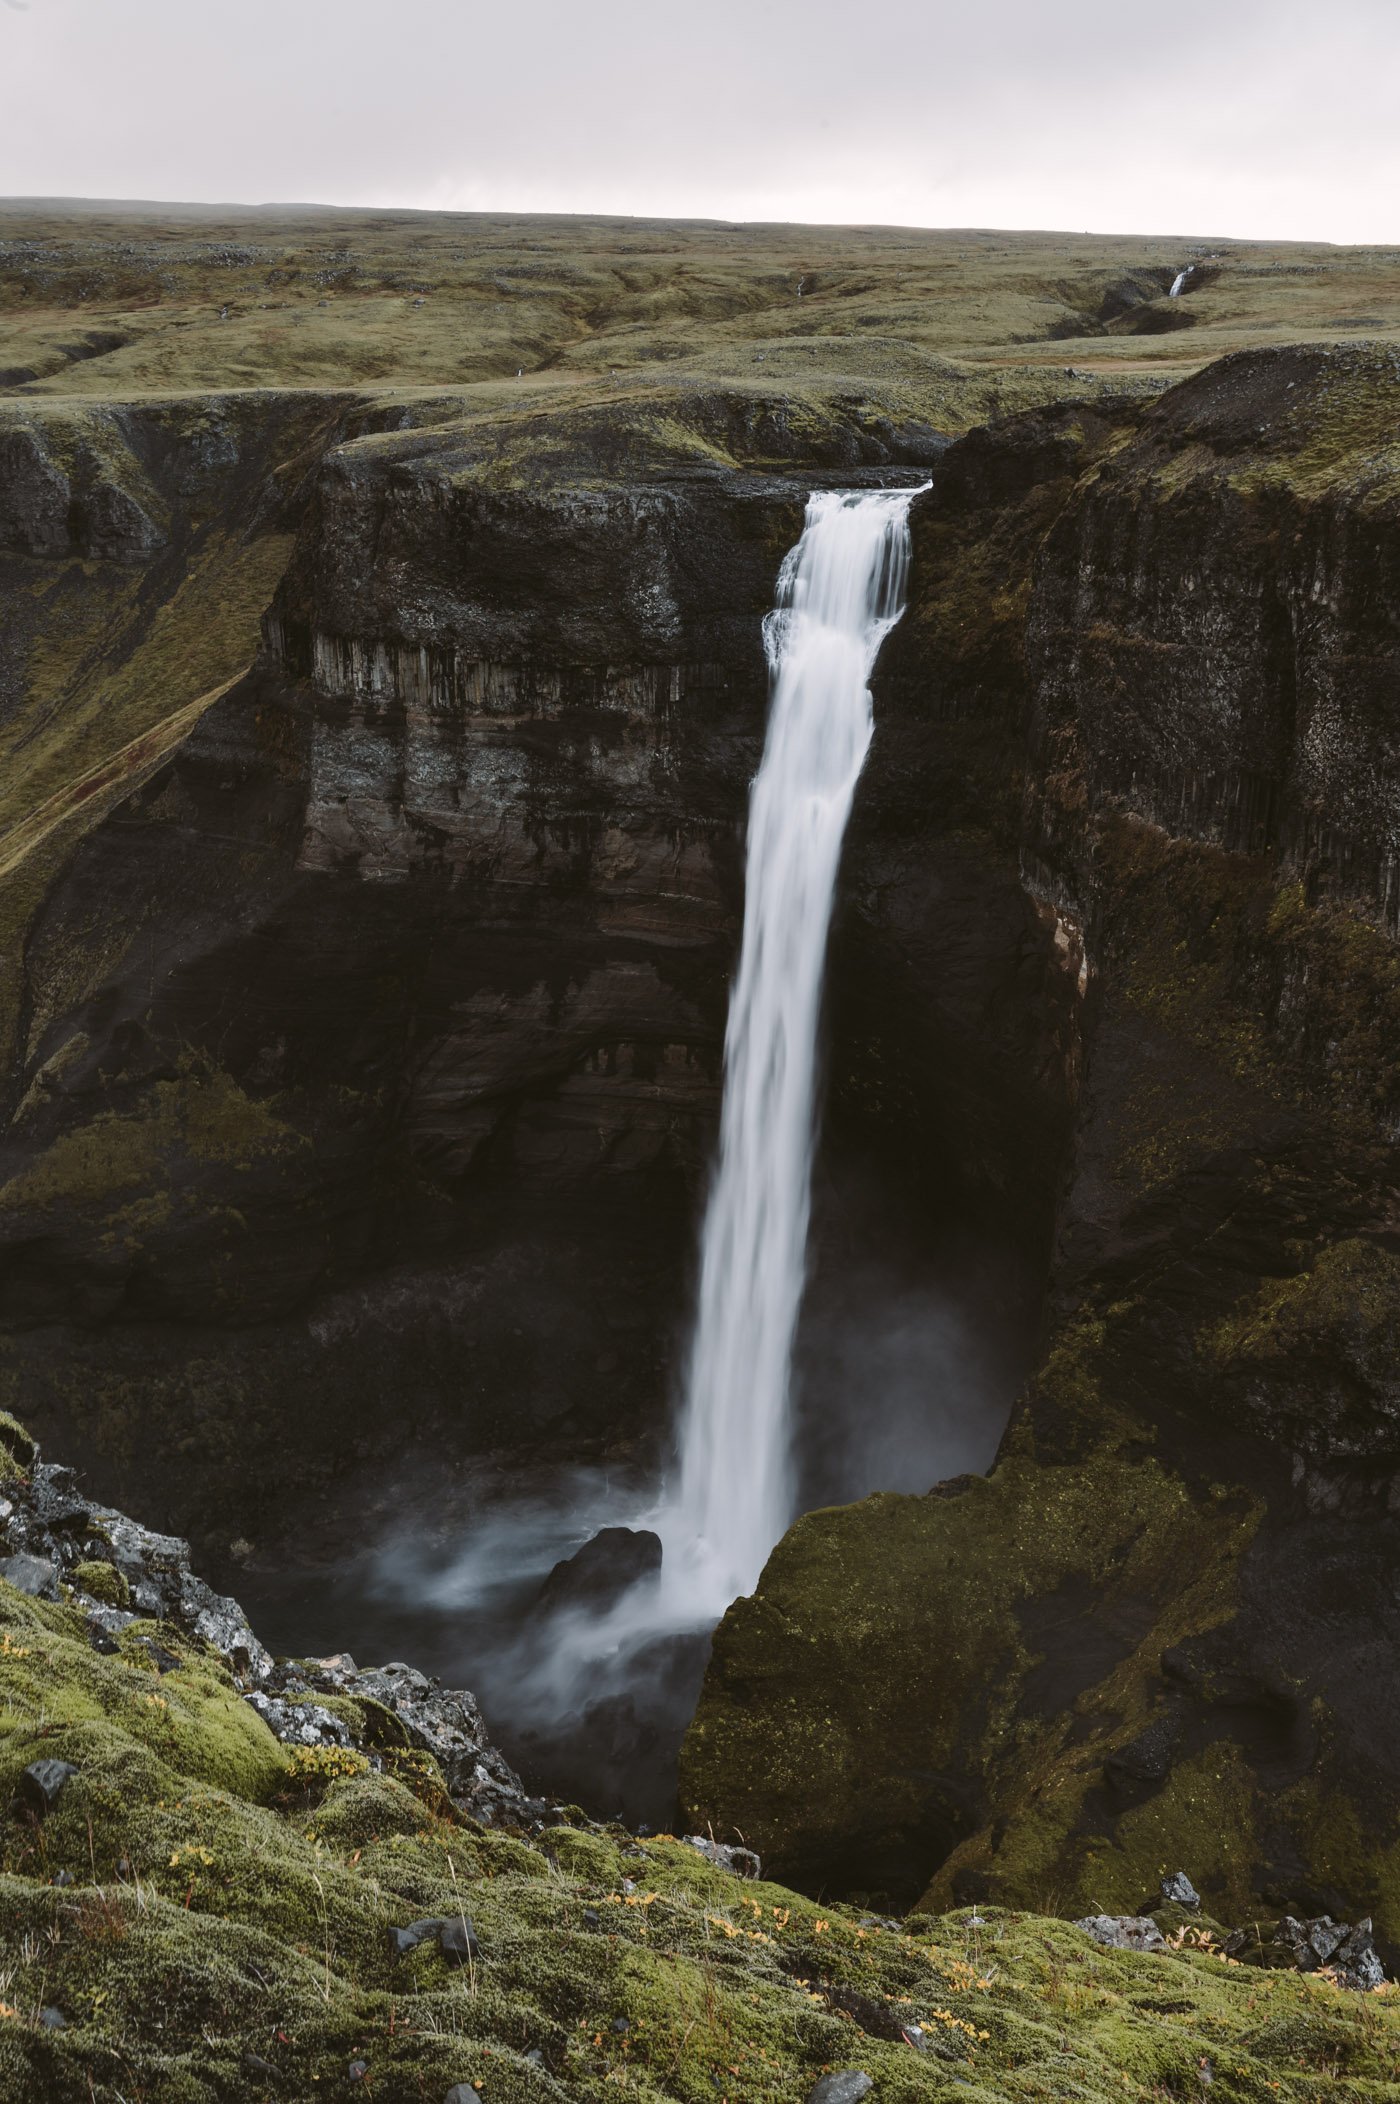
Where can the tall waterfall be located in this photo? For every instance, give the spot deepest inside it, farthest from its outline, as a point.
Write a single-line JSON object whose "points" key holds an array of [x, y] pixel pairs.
{"points": [[840, 591], [1179, 283]]}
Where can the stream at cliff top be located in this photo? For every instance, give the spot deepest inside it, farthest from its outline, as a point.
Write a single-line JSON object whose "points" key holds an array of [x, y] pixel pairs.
{"points": [[591, 1701]]}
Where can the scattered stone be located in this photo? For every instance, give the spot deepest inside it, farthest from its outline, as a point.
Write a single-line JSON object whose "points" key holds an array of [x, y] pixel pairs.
{"points": [[101, 1639], [604, 1569], [63, 1877], [592, 1919], [1345, 1951], [1124, 1932], [34, 1575], [1178, 1890], [52, 2019], [43, 1782], [300, 1723], [445, 1722], [847, 2086], [357, 2069], [164, 1661], [457, 1940], [254, 2064], [742, 1861], [620, 2024]]}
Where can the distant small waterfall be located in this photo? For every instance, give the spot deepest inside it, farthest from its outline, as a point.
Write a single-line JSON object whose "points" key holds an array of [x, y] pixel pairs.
{"points": [[840, 591], [1179, 283]]}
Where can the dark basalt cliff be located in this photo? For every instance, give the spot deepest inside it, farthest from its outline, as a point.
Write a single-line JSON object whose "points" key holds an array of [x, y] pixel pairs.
{"points": [[370, 1050], [369, 1065], [1164, 1624]]}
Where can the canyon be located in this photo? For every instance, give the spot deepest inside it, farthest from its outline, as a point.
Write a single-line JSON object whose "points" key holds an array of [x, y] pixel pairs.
{"points": [[378, 742]]}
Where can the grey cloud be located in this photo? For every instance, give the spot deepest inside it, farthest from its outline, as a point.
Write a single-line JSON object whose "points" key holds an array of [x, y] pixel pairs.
{"points": [[1219, 116]]}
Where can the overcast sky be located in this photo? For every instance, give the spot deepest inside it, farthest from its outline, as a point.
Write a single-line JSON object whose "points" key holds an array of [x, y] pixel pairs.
{"points": [[1265, 118]]}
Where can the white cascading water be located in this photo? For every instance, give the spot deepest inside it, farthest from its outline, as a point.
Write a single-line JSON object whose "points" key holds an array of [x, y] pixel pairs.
{"points": [[840, 591], [1179, 283], [732, 1495]]}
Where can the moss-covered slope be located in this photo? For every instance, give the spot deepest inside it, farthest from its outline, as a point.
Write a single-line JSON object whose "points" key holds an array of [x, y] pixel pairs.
{"points": [[201, 1915]]}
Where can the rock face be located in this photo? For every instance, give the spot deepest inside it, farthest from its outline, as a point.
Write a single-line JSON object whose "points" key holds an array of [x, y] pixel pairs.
{"points": [[388, 1083], [1158, 1629], [412, 1064]]}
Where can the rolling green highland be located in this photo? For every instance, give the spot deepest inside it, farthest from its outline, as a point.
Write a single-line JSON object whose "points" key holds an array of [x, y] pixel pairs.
{"points": [[381, 678]]}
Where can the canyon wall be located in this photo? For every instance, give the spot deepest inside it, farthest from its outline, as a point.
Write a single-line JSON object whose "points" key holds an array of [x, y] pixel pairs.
{"points": [[367, 1062], [370, 1049], [1159, 1631]]}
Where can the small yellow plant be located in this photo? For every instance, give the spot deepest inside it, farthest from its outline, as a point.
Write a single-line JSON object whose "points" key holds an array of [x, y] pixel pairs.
{"points": [[315, 1768]]}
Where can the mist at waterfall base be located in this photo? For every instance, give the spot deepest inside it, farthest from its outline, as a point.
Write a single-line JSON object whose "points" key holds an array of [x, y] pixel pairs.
{"points": [[892, 1374], [905, 1366]]}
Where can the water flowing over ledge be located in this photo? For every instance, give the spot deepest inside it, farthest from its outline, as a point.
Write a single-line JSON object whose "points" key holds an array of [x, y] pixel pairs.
{"points": [[840, 592]]}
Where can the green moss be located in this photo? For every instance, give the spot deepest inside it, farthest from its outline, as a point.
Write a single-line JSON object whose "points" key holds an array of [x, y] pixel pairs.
{"points": [[1351, 1286], [885, 1667], [210, 1917], [202, 1117], [312, 1769], [1207, 1812], [59, 1697], [17, 1448], [104, 1582]]}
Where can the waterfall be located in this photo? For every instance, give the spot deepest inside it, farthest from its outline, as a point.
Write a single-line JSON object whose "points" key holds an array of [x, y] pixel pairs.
{"points": [[1179, 283], [840, 591]]}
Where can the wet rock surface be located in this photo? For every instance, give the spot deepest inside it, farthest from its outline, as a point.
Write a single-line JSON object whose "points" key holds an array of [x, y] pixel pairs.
{"points": [[604, 1569]]}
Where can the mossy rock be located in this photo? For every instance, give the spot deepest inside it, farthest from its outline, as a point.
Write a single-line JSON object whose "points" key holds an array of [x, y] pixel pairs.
{"points": [[104, 1582], [18, 1450]]}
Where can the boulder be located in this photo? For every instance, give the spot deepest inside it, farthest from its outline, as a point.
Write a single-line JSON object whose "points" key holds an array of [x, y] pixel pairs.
{"points": [[43, 1782], [34, 1575], [1178, 1890], [847, 2086], [616, 1559], [445, 1722], [742, 1861]]}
